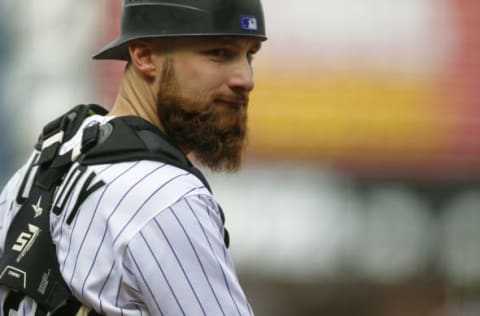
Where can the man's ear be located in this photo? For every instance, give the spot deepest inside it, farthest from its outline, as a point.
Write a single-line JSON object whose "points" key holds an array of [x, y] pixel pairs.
{"points": [[141, 56]]}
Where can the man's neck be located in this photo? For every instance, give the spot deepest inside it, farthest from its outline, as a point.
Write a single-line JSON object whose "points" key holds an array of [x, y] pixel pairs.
{"points": [[136, 97]]}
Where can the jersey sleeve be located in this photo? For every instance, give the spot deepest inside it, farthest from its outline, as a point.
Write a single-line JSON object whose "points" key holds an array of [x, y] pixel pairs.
{"points": [[179, 264], [7, 196]]}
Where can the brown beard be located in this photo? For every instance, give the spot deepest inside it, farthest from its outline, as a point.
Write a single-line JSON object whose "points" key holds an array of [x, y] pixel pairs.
{"points": [[217, 137]]}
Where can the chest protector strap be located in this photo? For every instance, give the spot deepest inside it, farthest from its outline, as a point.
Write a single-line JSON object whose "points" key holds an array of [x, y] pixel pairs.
{"points": [[29, 265]]}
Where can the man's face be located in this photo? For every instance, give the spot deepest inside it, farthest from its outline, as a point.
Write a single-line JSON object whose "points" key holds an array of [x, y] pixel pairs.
{"points": [[203, 97]]}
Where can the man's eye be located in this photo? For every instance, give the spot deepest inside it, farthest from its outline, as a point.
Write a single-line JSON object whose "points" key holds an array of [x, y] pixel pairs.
{"points": [[218, 53]]}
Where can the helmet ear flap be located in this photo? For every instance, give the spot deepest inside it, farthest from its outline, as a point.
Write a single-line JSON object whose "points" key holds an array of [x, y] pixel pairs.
{"points": [[184, 18]]}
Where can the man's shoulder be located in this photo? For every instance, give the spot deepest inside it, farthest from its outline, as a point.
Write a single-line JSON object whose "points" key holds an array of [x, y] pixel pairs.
{"points": [[149, 186], [135, 174]]}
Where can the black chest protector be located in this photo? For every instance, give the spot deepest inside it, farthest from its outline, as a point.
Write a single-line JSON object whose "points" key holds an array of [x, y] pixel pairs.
{"points": [[29, 265]]}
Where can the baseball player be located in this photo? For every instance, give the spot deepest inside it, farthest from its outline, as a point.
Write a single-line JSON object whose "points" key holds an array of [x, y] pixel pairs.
{"points": [[109, 216]]}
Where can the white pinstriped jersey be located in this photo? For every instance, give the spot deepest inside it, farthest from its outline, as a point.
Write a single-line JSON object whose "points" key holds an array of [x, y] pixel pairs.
{"points": [[148, 242]]}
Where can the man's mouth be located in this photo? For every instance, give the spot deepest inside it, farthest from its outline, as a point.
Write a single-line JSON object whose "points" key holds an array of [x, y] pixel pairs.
{"points": [[235, 103]]}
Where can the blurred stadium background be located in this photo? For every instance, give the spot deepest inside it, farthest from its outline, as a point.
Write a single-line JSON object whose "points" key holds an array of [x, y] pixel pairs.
{"points": [[361, 190]]}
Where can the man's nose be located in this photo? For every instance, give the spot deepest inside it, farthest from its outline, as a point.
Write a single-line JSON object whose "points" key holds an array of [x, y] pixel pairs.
{"points": [[241, 77]]}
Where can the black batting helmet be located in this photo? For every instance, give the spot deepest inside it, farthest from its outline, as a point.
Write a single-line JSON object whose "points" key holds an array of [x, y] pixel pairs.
{"points": [[175, 18]]}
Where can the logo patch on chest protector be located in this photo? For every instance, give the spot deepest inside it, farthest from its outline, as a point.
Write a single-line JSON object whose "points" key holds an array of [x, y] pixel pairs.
{"points": [[25, 241]]}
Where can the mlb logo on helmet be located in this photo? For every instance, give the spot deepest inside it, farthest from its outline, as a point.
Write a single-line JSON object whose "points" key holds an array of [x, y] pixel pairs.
{"points": [[249, 23]]}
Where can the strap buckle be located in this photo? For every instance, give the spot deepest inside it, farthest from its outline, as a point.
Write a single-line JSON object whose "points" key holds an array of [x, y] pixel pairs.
{"points": [[52, 138], [55, 138], [89, 139]]}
